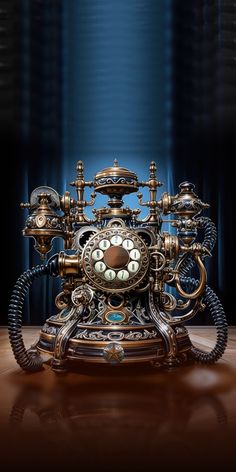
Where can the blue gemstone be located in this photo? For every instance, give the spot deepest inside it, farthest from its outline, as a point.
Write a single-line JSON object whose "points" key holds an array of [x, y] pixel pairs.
{"points": [[114, 316]]}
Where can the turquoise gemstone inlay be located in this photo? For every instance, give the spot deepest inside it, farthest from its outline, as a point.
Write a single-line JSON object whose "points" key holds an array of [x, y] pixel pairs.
{"points": [[114, 316]]}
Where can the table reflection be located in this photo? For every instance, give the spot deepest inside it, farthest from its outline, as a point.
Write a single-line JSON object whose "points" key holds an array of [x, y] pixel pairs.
{"points": [[130, 415], [140, 412]]}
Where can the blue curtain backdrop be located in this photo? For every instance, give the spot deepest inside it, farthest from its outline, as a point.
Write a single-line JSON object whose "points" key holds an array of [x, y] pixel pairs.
{"points": [[117, 86], [135, 80]]}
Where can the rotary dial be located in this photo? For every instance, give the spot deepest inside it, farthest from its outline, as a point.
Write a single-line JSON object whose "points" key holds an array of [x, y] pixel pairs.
{"points": [[115, 259]]}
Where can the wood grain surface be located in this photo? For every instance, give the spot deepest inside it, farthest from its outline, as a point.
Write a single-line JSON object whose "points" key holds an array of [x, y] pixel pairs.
{"points": [[114, 418]]}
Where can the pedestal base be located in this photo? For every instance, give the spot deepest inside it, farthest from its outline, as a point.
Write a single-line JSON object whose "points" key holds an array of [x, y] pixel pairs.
{"points": [[114, 344]]}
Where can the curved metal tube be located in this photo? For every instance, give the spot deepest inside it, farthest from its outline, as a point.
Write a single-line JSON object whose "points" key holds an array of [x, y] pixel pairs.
{"points": [[172, 301], [183, 306], [175, 320], [202, 283], [163, 327], [208, 243], [143, 289]]}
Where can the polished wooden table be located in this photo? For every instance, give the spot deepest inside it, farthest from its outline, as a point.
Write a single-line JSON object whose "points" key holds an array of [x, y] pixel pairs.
{"points": [[119, 417]]}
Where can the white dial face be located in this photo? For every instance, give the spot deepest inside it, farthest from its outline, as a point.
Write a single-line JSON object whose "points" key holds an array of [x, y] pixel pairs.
{"points": [[123, 274], [110, 274], [100, 266], [116, 240], [128, 244], [133, 267], [115, 259], [104, 244], [97, 255], [135, 254]]}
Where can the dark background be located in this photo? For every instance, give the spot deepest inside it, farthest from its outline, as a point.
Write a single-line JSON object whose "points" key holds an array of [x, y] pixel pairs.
{"points": [[137, 80]]}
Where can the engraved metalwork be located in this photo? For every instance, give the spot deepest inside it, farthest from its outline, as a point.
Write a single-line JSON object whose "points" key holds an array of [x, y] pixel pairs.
{"points": [[164, 328], [114, 353], [82, 295], [116, 302], [102, 335], [115, 284], [64, 334]]}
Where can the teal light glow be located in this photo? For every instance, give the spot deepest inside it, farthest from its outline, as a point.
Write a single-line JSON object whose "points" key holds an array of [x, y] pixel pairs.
{"points": [[115, 317]]}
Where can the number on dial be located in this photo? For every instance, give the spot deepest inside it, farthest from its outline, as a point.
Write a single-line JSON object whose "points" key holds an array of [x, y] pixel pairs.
{"points": [[123, 275], [135, 254], [128, 244], [133, 266], [97, 255], [104, 244], [116, 240], [100, 266], [110, 274]]}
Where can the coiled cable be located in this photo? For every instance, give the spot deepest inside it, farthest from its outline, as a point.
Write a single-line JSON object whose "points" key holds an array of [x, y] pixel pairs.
{"points": [[214, 305], [210, 299], [27, 359]]}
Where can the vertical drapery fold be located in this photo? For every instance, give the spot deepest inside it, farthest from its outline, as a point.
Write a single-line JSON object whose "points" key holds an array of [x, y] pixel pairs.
{"points": [[137, 80], [204, 120]]}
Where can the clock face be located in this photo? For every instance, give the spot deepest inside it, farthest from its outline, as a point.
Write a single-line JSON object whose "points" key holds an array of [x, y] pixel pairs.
{"points": [[115, 259]]}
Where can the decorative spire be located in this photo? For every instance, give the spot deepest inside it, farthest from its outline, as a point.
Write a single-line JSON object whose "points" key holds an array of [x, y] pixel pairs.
{"points": [[115, 163], [152, 170], [80, 170]]}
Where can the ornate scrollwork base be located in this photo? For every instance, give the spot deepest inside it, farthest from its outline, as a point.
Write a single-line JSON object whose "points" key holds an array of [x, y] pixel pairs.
{"points": [[140, 342]]}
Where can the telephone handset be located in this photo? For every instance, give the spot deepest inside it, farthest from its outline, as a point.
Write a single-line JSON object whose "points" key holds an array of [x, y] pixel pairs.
{"points": [[126, 286]]}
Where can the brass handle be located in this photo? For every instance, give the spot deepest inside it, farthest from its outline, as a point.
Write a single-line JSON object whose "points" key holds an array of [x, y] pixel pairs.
{"points": [[202, 283], [68, 264]]}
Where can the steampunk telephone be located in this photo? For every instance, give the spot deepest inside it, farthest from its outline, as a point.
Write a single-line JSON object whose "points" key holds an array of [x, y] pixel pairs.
{"points": [[127, 288]]}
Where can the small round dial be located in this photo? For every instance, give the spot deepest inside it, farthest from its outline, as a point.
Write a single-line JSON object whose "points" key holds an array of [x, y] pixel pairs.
{"points": [[128, 244], [100, 266], [123, 274], [115, 259], [104, 244], [133, 266], [110, 274], [116, 240], [97, 255], [135, 254]]}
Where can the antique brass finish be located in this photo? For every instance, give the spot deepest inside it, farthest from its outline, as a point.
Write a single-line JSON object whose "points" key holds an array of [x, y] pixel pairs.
{"points": [[202, 283], [43, 224], [68, 264], [116, 181], [80, 185], [116, 303], [96, 260], [62, 300]]}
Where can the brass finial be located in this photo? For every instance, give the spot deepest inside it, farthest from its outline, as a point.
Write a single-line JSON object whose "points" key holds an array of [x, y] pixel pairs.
{"points": [[80, 169], [152, 170], [115, 163]]}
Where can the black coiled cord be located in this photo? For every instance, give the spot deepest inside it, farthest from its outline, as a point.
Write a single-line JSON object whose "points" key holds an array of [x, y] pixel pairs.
{"points": [[213, 303], [29, 361], [210, 299]]}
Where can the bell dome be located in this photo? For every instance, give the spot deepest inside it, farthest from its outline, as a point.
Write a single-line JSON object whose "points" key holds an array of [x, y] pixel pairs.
{"points": [[115, 180]]}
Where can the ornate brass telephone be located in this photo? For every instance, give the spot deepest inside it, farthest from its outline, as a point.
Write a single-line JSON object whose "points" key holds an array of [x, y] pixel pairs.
{"points": [[126, 291]]}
